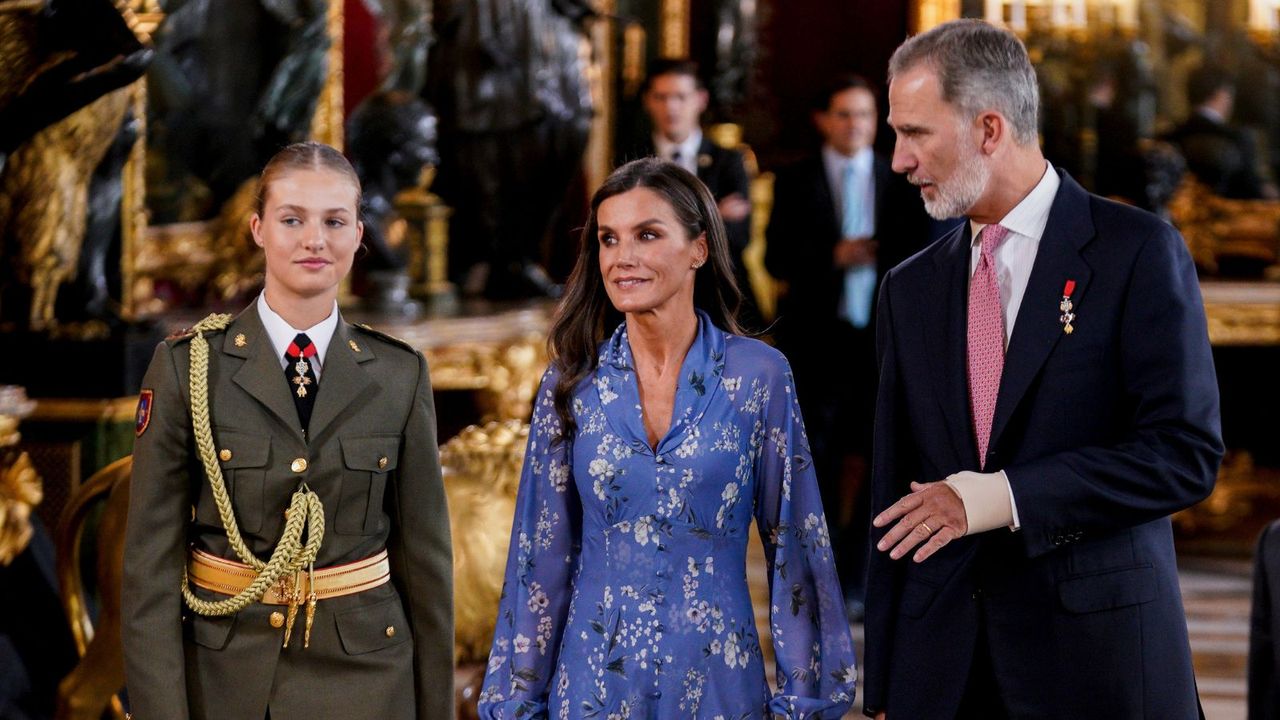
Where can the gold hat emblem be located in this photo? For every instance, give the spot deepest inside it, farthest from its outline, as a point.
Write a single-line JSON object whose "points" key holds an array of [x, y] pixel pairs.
{"points": [[353, 345], [240, 341]]}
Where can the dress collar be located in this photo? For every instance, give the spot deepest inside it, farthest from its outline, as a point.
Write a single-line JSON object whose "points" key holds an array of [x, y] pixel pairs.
{"points": [[698, 382]]}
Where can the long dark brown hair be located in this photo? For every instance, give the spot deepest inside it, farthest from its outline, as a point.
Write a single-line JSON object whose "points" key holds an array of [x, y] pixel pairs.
{"points": [[586, 315]]}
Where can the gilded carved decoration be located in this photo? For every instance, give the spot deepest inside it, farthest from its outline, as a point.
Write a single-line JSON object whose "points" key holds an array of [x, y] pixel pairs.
{"points": [[20, 492], [501, 356], [1216, 227], [44, 196], [481, 471], [20, 486]]}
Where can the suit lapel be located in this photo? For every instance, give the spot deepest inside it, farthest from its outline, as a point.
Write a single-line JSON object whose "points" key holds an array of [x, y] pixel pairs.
{"points": [[946, 337], [261, 375], [342, 379], [1038, 330]]}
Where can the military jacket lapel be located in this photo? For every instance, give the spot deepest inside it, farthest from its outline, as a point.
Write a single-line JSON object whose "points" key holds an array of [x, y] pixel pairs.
{"points": [[261, 375], [342, 379]]}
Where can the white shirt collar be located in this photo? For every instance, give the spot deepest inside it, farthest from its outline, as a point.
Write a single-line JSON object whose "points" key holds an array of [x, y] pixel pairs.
{"points": [[282, 333], [1029, 217], [688, 149], [1212, 114]]}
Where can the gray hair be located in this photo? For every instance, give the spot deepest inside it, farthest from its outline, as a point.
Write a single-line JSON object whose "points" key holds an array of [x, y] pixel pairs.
{"points": [[980, 67]]}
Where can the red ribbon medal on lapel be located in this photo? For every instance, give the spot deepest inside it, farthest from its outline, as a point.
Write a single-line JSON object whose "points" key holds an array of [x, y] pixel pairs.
{"points": [[1065, 306]]}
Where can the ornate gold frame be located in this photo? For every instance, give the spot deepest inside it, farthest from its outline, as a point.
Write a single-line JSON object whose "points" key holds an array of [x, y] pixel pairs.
{"points": [[144, 17]]}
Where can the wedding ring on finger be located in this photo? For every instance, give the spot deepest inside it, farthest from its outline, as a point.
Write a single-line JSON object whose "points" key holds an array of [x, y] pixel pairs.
{"points": [[928, 530]]}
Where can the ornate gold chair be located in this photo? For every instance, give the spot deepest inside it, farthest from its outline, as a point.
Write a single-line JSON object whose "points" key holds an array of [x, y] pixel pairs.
{"points": [[93, 687]]}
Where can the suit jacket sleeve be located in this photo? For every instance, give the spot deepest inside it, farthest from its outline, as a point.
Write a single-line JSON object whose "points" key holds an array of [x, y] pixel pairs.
{"points": [[1170, 456], [734, 179], [422, 555], [1264, 690], [796, 248], [155, 549], [893, 466]]}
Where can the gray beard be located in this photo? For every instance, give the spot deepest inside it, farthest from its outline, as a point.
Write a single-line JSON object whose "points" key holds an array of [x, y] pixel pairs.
{"points": [[955, 196]]}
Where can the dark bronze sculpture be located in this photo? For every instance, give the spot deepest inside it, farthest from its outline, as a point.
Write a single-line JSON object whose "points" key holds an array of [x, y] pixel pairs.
{"points": [[391, 138], [233, 81], [515, 113]]}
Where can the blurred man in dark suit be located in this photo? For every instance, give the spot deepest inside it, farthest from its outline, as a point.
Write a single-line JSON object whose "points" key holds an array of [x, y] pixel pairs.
{"points": [[1221, 155], [840, 220]]}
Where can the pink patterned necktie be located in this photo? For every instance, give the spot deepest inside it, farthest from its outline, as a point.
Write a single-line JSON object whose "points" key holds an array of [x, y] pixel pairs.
{"points": [[986, 339]]}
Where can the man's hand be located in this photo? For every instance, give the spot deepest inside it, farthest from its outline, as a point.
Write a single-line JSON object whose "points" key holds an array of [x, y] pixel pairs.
{"points": [[734, 207], [932, 514], [880, 715], [851, 252]]}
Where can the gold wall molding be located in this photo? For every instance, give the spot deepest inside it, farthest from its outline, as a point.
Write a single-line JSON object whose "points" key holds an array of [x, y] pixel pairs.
{"points": [[927, 14], [600, 73], [327, 123], [673, 39], [1242, 312]]}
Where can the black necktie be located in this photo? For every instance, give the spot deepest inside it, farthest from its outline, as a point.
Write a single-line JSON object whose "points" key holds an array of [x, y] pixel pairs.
{"points": [[302, 378]]}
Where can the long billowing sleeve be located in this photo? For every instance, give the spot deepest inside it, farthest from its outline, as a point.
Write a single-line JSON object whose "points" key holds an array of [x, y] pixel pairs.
{"points": [[812, 645], [155, 546], [541, 561]]}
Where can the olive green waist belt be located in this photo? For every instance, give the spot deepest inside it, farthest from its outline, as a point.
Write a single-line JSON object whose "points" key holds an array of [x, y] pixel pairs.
{"points": [[230, 578]]}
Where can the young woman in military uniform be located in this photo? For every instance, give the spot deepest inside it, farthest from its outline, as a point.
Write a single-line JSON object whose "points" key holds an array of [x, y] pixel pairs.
{"points": [[288, 552]]}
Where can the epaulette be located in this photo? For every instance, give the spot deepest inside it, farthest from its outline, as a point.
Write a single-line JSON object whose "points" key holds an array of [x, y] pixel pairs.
{"points": [[389, 338], [183, 334]]}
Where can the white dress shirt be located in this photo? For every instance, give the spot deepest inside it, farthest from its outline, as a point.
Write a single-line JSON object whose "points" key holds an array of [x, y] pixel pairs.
{"points": [[688, 159], [282, 333], [988, 497]]}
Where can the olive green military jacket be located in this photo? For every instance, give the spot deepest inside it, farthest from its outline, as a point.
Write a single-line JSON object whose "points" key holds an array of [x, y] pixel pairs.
{"points": [[372, 458]]}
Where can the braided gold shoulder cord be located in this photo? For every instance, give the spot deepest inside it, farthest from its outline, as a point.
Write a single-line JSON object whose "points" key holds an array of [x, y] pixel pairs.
{"points": [[290, 555]]}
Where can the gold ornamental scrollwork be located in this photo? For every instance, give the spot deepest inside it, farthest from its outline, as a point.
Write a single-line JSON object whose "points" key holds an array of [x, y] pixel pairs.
{"points": [[20, 492], [481, 471]]}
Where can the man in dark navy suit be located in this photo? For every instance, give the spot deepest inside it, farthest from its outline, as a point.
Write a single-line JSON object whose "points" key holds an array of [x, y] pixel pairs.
{"points": [[1047, 400], [840, 220]]}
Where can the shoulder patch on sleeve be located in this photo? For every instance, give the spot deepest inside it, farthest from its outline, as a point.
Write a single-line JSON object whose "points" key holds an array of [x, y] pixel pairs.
{"points": [[143, 417], [389, 338]]}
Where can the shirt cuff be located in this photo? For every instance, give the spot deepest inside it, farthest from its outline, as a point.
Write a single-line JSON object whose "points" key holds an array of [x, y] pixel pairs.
{"points": [[987, 498]]}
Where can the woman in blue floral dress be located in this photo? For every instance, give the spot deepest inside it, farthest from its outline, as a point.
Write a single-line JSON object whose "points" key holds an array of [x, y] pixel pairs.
{"points": [[651, 451]]}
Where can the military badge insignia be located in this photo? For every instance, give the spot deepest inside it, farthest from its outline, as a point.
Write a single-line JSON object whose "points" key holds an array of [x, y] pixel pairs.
{"points": [[143, 417]]}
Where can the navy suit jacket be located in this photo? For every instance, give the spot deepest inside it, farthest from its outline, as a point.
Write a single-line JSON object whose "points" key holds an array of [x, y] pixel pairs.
{"points": [[1103, 434]]}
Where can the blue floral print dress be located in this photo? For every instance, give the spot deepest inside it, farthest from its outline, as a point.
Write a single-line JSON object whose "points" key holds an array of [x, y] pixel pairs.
{"points": [[626, 594]]}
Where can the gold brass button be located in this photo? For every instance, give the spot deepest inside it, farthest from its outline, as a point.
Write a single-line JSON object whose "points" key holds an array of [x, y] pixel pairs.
{"points": [[391, 631], [382, 462], [277, 619], [299, 465], [224, 455]]}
